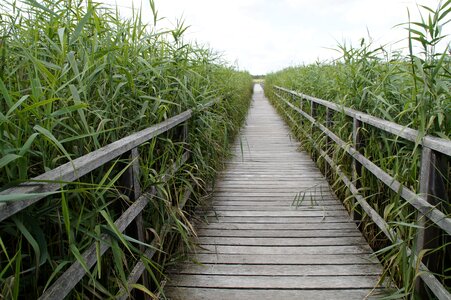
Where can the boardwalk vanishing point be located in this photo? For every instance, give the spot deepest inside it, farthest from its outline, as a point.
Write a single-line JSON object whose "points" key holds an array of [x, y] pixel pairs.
{"points": [[258, 243]]}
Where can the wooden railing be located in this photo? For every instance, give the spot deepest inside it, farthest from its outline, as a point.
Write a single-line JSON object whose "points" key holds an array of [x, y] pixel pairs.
{"points": [[50, 182], [431, 147]]}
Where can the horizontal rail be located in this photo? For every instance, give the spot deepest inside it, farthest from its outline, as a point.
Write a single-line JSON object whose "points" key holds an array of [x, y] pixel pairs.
{"points": [[435, 143], [41, 186], [417, 201], [414, 199], [69, 279], [425, 274], [139, 267], [50, 182]]}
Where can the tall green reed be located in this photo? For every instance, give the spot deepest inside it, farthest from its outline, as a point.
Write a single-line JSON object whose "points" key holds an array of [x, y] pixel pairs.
{"points": [[75, 76]]}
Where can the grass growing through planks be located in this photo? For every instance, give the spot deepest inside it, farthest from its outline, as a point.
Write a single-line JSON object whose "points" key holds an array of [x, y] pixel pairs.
{"points": [[412, 90], [75, 76]]}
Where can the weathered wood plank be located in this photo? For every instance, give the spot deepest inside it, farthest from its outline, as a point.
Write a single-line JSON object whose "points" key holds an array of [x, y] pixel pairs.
{"points": [[232, 249], [278, 233], [279, 214], [259, 206], [286, 241], [278, 220], [313, 227], [281, 259], [269, 205], [278, 270], [278, 282], [183, 293]]}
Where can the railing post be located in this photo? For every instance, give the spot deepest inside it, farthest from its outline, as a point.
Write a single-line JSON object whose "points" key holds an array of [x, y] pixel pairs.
{"points": [[313, 113], [137, 193], [356, 166], [130, 181], [329, 144], [433, 190], [301, 104]]}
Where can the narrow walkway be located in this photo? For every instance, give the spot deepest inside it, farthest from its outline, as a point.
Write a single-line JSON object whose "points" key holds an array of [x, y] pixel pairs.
{"points": [[257, 244]]}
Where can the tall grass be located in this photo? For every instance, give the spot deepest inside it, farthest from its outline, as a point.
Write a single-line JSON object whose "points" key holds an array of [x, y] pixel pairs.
{"points": [[412, 89], [75, 76]]}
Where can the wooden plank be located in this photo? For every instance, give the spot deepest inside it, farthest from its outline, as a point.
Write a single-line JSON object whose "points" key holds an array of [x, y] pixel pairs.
{"points": [[287, 194], [277, 270], [288, 214], [287, 199], [259, 207], [278, 233], [282, 259], [277, 220], [285, 241], [314, 227], [278, 282], [285, 250], [183, 293]]}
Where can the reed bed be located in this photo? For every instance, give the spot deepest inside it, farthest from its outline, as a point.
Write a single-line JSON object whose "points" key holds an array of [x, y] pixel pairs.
{"points": [[412, 90], [75, 76]]}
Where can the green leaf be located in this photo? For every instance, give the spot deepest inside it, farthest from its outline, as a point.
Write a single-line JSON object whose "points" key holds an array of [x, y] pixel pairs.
{"points": [[26, 147], [31, 240], [77, 101], [61, 37], [7, 159], [142, 288], [16, 287], [69, 109], [38, 104], [80, 26], [5, 93], [53, 139], [40, 6], [79, 258], [118, 264], [66, 217], [16, 105], [55, 272], [82, 136], [98, 252], [116, 231], [73, 64]]}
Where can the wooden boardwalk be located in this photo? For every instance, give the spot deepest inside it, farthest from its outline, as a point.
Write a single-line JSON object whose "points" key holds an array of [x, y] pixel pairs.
{"points": [[257, 244]]}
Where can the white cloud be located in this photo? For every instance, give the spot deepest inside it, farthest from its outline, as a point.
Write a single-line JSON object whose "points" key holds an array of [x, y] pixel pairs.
{"points": [[266, 35]]}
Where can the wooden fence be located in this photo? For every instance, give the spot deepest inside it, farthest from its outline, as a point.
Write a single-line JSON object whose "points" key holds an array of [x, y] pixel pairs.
{"points": [[424, 202], [50, 182]]}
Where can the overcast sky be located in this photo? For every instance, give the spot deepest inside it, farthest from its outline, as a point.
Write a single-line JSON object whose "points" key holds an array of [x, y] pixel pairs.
{"points": [[263, 36]]}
